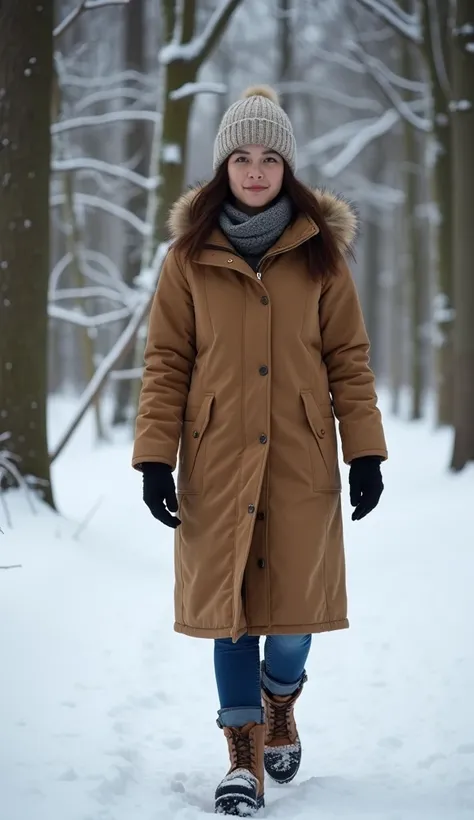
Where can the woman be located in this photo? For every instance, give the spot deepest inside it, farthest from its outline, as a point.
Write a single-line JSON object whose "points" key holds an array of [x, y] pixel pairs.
{"points": [[256, 343]]}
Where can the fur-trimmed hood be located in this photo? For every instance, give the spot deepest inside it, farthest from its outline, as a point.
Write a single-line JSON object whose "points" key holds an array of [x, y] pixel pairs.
{"points": [[340, 215]]}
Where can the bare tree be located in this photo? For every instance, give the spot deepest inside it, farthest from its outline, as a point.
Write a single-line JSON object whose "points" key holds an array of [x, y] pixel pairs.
{"points": [[182, 58], [26, 80], [424, 24]]}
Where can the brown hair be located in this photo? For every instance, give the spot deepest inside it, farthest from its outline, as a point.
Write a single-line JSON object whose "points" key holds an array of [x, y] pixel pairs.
{"points": [[322, 253]]}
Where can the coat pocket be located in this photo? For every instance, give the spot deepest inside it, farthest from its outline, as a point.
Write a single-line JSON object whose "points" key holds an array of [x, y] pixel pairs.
{"points": [[323, 445], [192, 449]]}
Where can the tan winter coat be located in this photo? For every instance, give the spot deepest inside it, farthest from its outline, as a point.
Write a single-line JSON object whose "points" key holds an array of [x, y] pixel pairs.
{"points": [[246, 374]]}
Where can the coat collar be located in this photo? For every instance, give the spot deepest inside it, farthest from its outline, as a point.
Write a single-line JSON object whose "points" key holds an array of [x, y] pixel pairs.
{"points": [[340, 216]]}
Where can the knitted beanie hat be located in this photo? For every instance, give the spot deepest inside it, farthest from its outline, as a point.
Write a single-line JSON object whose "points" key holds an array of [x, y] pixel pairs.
{"points": [[256, 119]]}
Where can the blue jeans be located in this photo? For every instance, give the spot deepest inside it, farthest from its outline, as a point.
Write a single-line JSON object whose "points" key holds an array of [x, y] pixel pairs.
{"points": [[239, 675]]}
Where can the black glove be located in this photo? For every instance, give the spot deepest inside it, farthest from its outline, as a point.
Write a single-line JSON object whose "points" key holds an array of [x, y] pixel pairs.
{"points": [[158, 490], [366, 485]]}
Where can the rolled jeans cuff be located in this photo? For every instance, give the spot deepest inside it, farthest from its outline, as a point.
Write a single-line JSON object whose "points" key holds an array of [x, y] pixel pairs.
{"points": [[239, 716], [276, 688]]}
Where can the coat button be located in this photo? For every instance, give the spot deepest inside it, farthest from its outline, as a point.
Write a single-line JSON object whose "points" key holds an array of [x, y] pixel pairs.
{"points": [[230, 260], [251, 509], [195, 433], [260, 516], [261, 563], [263, 370], [263, 439], [265, 300]]}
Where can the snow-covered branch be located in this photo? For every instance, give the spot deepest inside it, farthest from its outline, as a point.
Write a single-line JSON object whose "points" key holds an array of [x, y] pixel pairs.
{"points": [[327, 92], [405, 109], [439, 58], [126, 375], [118, 171], [359, 141], [118, 79], [408, 25], [199, 48], [76, 317], [376, 194], [191, 89], [340, 59], [114, 356], [112, 95], [103, 119], [338, 136], [110, 279], [84, 5], [416, 86], [105, 205], [89, 292]]}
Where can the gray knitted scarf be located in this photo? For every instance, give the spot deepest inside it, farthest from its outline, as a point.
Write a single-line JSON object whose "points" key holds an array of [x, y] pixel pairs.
{"points": [[254, 235]]}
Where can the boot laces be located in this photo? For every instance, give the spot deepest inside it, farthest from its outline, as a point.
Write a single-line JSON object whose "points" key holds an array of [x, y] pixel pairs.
{"points": [[280, 715], [243, 751]]}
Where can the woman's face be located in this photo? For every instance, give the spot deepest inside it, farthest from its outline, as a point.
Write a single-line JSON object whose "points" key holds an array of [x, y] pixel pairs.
{"points": [[255, 175]]}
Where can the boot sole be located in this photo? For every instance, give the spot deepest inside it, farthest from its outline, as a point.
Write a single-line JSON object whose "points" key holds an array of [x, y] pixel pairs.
{"points": [[239, 805]]}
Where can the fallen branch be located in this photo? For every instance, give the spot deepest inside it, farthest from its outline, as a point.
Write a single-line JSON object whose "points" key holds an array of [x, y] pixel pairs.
{"points": [[12, 566], [87, 518]]}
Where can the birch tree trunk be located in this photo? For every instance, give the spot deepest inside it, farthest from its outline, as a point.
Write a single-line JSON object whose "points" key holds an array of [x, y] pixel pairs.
{"points": [[26, 74], [463, 154]]}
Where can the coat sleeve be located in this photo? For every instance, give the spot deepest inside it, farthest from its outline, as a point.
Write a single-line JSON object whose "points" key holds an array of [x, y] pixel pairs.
{"points": [[345, 346], [169, 360]]}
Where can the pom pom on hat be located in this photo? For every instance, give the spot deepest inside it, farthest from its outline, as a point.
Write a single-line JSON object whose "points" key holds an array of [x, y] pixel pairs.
{"points": [[256, 119], [262, 91]]}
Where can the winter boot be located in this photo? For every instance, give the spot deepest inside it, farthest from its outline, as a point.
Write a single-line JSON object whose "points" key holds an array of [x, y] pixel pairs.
{"points": [[240, 793], [282, 756]]}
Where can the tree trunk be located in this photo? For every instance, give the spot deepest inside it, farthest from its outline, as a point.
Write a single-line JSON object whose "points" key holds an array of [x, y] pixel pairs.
{"points": [[174, 135], [171, 169], [396, 323], [414, 247], [79, 280], [285, 49], [437, 64], [137, 146], [463, 161], [371, 291], [26, 73], [371, 287]]}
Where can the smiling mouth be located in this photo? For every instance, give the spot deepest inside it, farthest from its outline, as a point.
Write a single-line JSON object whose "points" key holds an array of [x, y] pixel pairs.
{"points": [[256, 188]]}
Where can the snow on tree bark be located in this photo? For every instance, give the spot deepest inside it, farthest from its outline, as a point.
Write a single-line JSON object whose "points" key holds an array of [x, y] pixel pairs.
{"points": [[26, 72]]}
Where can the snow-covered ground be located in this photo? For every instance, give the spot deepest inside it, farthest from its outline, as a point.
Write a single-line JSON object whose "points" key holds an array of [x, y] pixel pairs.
{"points": [[106, 714]]}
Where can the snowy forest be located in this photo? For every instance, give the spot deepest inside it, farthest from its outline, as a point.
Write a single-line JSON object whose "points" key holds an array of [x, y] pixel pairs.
{"points": [[108, 112], [108, 109]]}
